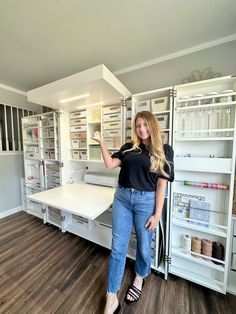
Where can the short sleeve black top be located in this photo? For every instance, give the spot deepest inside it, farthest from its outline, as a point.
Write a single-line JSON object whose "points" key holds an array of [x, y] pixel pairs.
{"points": [[135, 168]]}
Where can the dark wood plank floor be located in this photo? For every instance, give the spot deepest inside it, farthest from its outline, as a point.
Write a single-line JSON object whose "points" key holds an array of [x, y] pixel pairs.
{"points": [[43, 270]]}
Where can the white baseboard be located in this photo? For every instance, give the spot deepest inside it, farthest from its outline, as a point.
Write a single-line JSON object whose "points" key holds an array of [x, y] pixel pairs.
{"points": [[10, 212]]}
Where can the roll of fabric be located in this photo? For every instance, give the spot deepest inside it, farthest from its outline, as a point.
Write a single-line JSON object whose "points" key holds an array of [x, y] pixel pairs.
{"points": [[218, 252], [196, 246], [207, 248], [187, 243]]}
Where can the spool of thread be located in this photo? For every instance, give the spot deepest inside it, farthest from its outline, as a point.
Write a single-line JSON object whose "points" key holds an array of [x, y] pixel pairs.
{"points": [[187, 243], [218, 252], [196, 246], [207, 248]]}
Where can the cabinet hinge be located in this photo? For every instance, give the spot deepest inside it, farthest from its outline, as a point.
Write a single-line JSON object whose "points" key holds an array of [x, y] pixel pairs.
{"points": [[43, 210], [168, 259], [63, 218], [60, 164]]}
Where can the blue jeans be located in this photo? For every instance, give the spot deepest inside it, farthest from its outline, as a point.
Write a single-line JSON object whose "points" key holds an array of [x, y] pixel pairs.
{"points": [[130, 207]]}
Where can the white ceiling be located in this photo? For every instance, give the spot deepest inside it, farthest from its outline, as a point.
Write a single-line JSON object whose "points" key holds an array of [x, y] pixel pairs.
{"points": [[45, 40]]}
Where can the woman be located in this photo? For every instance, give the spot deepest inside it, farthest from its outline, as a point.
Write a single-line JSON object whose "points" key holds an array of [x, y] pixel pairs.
{"points": [[146, 165]]}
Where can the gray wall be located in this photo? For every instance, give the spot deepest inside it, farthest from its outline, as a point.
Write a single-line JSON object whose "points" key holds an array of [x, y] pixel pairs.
{"points": [[221, 59], [11, 169], [11, 164]]}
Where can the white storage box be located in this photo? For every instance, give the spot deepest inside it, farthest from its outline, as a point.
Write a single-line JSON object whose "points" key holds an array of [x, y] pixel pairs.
{"points": [[111, 133], [159, 104], [111, 117], [111, 125], [83, 155], [75, 154], [78, 128], [75, 144], [78, 114], [163, 121], [111, 109], [78, 121], [143, 106]]}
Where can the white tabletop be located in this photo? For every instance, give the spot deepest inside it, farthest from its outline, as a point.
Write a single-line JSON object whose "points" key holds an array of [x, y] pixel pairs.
{"points": [[86, 200]]}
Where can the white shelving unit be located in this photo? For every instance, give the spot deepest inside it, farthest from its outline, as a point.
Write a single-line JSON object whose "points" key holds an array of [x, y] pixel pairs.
{"points": [[204, 145]]}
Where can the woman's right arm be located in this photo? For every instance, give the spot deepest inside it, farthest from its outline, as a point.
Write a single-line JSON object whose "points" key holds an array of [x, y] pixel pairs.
{"points": [[109, 162]]}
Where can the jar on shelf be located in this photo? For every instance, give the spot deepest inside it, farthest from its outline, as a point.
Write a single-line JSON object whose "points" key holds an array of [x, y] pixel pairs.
{"points": [[198, 101], [227, 97], [184, 101], [213, 98]]}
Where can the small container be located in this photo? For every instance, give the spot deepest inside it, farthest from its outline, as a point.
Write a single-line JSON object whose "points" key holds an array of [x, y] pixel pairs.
{"points": [[227, 98], [199, 101], [184, 101], [213, 98]]}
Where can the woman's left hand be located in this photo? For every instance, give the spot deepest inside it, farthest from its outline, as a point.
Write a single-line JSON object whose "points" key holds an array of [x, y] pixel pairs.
{"points": [[152, 222]]}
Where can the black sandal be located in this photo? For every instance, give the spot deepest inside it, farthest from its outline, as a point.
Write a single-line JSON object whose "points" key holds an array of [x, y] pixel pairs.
{"points": [[133, 292]]}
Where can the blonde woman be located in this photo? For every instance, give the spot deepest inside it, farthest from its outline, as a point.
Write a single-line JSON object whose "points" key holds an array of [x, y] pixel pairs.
{"points": [[146, 166]]}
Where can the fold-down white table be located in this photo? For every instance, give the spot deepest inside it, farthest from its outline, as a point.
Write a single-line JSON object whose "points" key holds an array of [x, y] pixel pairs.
{"points": [[86, 200]]}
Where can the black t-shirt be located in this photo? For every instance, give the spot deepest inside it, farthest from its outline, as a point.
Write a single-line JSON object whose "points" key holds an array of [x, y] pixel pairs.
{"points": [[135, 168]]}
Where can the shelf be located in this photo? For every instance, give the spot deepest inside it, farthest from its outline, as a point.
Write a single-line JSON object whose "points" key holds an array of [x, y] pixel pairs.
{"points": [[82, 160], [197, 278], [78, 148], [206, 131], [47, 127], [190, 139], [214, 230], [36, 143], [204, 164], [160, 112], [208, 263], [94, 122]]}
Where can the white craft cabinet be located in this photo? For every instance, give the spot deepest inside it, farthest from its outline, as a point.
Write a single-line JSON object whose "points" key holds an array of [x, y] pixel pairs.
{"points": [[204, 145], [43, 154]]}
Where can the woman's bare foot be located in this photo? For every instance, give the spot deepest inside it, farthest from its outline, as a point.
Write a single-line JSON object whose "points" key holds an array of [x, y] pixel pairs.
{"points": [[111, 303]]}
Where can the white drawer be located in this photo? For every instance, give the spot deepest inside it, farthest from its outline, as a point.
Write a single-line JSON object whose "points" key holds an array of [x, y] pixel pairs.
{"points": [[143, 106], [78, 121], [159, 104], [78, 114], [31, 155], [52, 185], [53, 173], [111, 125], [111, 117], [79, 136], [111, 109], [111, 133], [75, 154], [78, 128]]}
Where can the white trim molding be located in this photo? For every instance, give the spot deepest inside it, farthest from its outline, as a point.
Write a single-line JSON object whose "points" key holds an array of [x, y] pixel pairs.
{"points": [[178, 54], [10, 212], [11, 89]]}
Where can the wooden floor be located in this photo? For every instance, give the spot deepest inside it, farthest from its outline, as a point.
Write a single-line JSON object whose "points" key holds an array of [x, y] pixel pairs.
{"points": [[43, 270]]}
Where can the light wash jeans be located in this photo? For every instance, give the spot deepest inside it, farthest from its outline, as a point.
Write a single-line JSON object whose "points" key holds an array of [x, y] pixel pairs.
{"points": [[130, 207]]}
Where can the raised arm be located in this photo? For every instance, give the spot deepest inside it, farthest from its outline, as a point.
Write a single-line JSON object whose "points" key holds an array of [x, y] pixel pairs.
{"points": [[110, 163]]}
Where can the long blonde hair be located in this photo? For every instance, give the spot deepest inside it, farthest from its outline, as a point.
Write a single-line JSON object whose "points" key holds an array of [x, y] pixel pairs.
{"points": [[155, 145]]}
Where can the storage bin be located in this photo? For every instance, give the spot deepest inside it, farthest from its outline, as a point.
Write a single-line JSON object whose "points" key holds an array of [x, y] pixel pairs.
{"points": [[111, 109], [109, 142], [83, 144], [165, 137], [78, 128], [78, 121], [32, 155], [159, 104], [112, 117], [75, 154], [95, 153], [163, 121], [83, 155], [143, 106], [75, 144], [117, 142], [78, 135], [111, 133], [111, 125], [48, 154], [78, 114]]}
